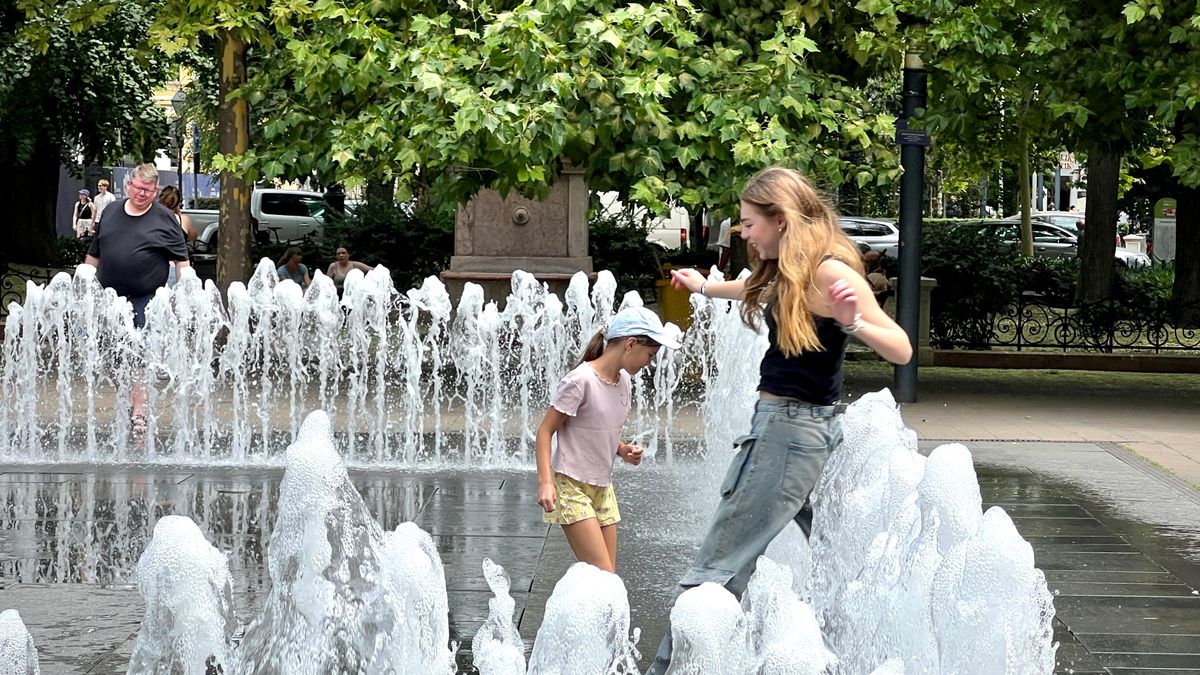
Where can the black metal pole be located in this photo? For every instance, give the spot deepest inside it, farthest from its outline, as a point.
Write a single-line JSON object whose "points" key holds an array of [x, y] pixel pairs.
{"points": [[195, 164], [912, 188]]}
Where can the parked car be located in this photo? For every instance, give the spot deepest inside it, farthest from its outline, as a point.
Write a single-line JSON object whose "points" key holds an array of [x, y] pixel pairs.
{"points": [[1068, 220], [1053, 241], [278, 215], [880, 235]]}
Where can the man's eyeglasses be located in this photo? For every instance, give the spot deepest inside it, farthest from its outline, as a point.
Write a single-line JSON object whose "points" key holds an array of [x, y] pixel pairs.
{"points": [[134, 187]]}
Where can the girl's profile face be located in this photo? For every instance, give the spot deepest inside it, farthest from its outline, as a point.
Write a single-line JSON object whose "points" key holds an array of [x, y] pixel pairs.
{"points": [[761, 232], [639, 356]]}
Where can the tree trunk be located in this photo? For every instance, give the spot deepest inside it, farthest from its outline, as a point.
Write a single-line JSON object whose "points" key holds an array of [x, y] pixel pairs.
{"points": [[1096, 247], [697, 240], [1186, 293], [31, 233], [381, 192], [233, 131], [1025, 196]]}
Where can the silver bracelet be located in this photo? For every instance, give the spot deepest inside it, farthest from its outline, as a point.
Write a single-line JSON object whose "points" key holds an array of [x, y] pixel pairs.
{"points": [[855, 325], [704, 288]]}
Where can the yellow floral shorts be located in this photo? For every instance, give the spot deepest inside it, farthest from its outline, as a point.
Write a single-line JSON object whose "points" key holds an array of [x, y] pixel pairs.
{"points": [[579, 501]]}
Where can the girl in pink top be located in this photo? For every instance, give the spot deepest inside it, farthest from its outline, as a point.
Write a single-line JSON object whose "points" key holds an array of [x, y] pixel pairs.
{"points": [[587, 413]]}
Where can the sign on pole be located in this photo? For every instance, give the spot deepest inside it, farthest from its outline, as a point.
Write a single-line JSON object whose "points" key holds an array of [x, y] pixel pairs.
{"points": [[1164, 229]]}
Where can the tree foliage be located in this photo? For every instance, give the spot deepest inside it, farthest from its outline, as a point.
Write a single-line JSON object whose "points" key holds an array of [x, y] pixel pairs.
{"points": [[71, 95], [662, 102]]}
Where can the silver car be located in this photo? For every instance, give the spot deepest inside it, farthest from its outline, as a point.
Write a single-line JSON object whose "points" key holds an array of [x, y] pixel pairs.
{"points": [[880, 235], [1054, 241]]}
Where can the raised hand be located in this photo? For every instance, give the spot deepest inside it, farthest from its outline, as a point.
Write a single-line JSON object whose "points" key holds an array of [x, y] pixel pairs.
{"points": [[843, 302], [687, 278]]}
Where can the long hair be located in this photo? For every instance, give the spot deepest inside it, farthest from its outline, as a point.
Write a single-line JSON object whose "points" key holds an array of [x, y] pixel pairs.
{"points": [[810, 234], [287, 255], [599, 343], [170, 197]]}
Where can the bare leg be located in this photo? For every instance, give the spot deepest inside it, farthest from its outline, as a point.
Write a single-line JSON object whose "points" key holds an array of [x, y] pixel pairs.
{"points": [[610, 542], [589, 544], [139, 396]]}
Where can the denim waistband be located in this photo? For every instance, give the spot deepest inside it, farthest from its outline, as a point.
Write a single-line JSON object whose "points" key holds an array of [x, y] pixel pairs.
{"points": [[797, 408]]}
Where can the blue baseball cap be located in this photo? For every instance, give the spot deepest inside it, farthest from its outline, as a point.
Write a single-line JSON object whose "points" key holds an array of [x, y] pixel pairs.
{"points": [[641, 322]]}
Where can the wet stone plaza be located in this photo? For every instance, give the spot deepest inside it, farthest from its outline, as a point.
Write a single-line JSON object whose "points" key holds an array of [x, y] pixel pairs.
{"points": [[1119, 543]]}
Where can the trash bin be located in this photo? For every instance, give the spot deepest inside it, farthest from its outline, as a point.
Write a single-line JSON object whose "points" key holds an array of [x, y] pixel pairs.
{"points": [[673, 303]]}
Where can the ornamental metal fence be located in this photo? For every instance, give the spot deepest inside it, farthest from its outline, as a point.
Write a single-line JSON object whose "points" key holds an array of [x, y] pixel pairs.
{"points": [[1038, 323]]}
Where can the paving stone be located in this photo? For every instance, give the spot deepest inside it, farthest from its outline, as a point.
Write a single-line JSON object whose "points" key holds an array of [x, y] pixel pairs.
{"points": [[1083, 560], [1141, 644]]}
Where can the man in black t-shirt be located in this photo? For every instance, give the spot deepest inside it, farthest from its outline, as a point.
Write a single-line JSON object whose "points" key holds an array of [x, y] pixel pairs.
{"points": [[136, 239]]}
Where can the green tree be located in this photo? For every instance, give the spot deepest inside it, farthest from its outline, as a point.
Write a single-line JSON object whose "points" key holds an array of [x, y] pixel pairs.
{"points": [[1168, 76], [66, 96], [663, 102]]}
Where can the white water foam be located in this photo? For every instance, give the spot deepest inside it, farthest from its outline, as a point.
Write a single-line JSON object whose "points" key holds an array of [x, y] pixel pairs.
{"points": [[345, 597], [18, 655], [586, 627], [189, 623], [497, 648]]}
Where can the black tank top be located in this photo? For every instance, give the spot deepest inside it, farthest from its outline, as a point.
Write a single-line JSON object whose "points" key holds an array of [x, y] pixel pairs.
{"points": [[814, 377]]}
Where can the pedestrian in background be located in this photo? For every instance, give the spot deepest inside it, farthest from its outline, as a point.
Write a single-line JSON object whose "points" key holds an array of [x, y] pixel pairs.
{"points": [[81, 217], [102, 201], [135, 243], [172, 198]]}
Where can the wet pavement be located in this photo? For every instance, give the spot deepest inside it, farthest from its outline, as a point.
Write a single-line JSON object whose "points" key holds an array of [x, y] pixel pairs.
{"points": [[1119, 542]]}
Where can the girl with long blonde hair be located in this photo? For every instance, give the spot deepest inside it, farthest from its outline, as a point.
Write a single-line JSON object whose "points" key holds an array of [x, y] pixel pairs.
{"points": [[807, 286]]}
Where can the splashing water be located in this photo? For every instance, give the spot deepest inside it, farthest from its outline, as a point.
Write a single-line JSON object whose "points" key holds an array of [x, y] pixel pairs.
{"points": [[18, 656], [586, 628], [708, 630], [497, 647], [189, 622], [345, 597], [785, 638], [230, 380], [903, 572]]}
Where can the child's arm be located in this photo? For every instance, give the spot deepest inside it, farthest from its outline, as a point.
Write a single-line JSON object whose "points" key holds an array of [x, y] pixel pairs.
{"points": [[551, 423]]}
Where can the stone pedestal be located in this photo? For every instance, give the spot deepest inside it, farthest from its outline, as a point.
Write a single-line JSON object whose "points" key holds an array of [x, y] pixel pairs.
{"points": [[493, 237]]}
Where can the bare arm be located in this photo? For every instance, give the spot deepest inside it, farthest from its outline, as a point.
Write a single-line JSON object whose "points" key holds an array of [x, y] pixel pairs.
{"points": [[695, 281], [550, 425], [91, 260], [848, 294], [363, 266], [189, 230]]}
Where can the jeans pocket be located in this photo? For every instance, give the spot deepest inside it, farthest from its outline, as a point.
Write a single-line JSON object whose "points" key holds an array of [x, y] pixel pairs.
{"points": [[802, 468], [734, 474]]}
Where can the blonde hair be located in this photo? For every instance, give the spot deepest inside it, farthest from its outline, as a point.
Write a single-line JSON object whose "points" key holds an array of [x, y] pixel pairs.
{"points": [[810, 234], [147, 172]]}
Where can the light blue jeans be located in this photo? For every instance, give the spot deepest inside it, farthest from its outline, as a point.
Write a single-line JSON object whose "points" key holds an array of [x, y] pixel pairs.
{"points": [[766, 486]]}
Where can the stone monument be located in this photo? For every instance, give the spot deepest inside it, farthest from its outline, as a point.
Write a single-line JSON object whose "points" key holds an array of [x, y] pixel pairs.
{"points": [[494, 236]]}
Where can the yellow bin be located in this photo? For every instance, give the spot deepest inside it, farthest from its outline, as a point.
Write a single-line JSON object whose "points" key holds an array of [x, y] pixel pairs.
{"points": [[673, 303]]}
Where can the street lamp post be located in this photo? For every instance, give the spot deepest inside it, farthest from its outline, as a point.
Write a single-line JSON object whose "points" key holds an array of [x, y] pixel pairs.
{"points": [[195, 164], [178, 102], [912, 185]]}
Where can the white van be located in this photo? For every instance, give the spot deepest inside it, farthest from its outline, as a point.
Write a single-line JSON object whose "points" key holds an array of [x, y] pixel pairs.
{"points": [[275, 215]]}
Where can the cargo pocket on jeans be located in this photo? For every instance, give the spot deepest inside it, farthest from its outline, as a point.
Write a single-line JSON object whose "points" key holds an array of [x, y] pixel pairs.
{"points": [[734, 474]]}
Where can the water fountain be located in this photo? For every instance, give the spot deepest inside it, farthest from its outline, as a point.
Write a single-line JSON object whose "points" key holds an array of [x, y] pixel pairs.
{"points": [[903, 573]]}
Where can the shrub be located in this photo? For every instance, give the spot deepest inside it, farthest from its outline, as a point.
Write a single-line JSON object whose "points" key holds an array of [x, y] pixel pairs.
{"points": [[412, 241], [977, 274], [618, 244]]}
